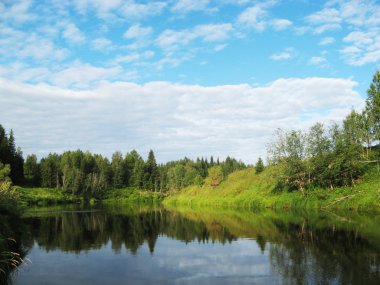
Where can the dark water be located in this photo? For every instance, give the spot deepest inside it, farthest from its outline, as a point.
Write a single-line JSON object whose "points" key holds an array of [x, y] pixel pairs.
{"points": [[120, 245]]}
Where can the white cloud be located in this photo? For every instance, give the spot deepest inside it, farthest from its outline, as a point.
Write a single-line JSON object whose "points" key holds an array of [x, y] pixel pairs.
{"points": [[136, 31], [171, 40], [280, 24], [258, 18], [363, 48], [102, 44], [133, 10], [79, 75], [326, 41], [360, 20], [325, 16], [185, 6], [328, 19], [253, 17], [134, 57], [286, 54], [173, 119], [72, 34], [102, 7], [23, 45], [318, 61], [17, 13], [220, 47]]}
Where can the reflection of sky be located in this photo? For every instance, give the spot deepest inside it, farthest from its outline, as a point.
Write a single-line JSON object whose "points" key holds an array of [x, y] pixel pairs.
{"points": [[173, 262]]}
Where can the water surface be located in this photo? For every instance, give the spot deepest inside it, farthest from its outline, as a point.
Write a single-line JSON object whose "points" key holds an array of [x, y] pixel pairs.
{"points": [[123, 245]]}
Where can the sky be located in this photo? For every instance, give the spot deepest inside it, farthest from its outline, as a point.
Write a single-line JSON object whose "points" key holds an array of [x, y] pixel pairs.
{"points": [[190, 78]]}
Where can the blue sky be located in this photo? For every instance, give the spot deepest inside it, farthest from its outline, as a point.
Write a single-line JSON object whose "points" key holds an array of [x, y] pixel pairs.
{"points": [[183, 77]]}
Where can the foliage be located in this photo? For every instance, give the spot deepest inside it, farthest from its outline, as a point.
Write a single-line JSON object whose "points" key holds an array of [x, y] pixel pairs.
{"points": [[245, 189], [215, 175], [373, 104], [32, 170], [259, 166], [44, 196], [11, 155]]}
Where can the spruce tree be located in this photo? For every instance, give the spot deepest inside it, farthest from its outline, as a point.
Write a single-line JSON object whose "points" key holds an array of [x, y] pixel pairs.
{"points": [[259, 167]]}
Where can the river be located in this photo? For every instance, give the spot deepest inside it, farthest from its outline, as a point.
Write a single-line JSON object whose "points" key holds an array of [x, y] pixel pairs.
{"points": [[144, 245]]}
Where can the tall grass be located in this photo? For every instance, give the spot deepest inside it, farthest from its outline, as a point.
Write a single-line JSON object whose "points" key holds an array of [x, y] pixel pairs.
{"points": [[247, 189]]}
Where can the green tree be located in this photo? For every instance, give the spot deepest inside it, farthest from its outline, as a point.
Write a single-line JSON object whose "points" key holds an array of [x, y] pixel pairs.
{"points": [[50, 171], [117, 165], [151, 174], [215, 175], [373, 104], [259, 167], [32, 170], [290, 151], [176, 176]]}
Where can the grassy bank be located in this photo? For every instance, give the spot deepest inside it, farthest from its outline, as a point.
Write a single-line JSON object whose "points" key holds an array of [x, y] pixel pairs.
{"points": [[50, 196], [44, 196], [131, 195], [249, 190]]}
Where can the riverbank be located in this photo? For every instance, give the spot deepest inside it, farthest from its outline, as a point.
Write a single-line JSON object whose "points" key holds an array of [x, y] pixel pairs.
{"points": [[245, 189], [53, 196], [241, 189]]}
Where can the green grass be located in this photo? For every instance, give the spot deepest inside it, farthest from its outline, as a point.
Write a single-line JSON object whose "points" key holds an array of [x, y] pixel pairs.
{"points": [[249, 190], [131, 195], [49, 196], [45, 196]]}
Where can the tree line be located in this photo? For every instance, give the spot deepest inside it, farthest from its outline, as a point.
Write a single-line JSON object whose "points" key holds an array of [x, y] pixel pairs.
{"points": [[329, 156], [86, 174]]}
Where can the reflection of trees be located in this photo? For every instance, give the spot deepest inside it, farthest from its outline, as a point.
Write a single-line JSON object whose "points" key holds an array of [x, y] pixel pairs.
{"points": [[302, 250], [302, 255], [77, 231]]}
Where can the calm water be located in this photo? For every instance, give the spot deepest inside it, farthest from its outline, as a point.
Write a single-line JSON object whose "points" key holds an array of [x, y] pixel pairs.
{"points": [[117, 245]]}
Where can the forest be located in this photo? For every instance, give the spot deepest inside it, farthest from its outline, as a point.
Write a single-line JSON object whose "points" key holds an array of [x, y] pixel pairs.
{"points": [[89, 175], [324, 157]]}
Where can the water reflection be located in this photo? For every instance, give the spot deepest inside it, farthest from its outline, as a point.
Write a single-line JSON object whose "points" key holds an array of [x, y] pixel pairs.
{"points": [[184, 246]]}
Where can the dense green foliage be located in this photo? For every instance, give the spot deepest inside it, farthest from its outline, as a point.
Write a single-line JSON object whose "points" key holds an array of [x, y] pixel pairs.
{"points": [[11, 156], [332, 156], [259, 166], [87, 175], [245, 189]]}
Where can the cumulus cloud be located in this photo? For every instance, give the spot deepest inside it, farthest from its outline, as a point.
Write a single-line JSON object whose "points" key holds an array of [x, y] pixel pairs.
{"points": [[360, 20], [318, 61], [185, 6], [22, 45], [171, 40], [17, 12], [136, 31], [134, 10], [363, 48], [326, 41], [280, 24], [257, 17], [80, 75], [173, 119], [102, 44], [72, 34], [253, 17], [286, 54]]}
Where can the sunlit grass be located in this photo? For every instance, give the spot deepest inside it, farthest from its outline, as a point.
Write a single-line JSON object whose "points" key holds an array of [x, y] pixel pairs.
{"points": [[247, 189]]}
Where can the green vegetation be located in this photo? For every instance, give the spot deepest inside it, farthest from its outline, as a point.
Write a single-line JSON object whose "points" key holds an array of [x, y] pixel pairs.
{"points": [[10, 249], [131, 196], [247, 189], [45, 196], [330, 167]]}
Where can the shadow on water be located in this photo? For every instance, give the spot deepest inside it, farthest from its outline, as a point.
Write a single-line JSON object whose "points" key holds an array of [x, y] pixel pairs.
{"points": [[302, 248]]}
